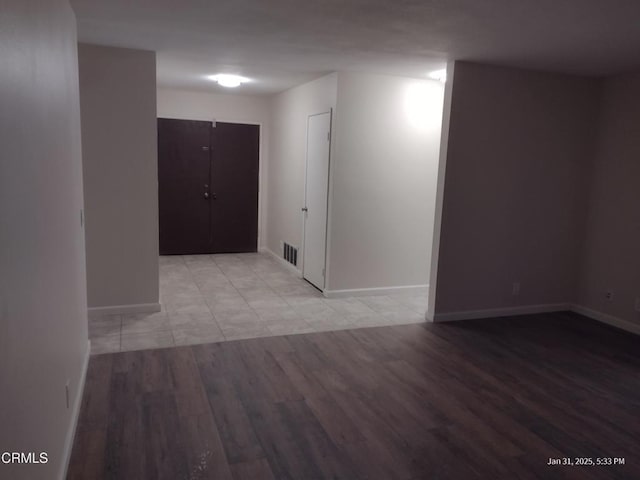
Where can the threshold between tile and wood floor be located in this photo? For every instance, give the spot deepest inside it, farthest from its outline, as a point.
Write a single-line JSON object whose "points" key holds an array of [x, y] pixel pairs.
{"points": [[469, 400], [216, 298]]}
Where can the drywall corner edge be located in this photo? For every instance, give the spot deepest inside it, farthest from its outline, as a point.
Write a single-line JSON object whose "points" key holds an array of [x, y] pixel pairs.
{"points": [[442, 166]]}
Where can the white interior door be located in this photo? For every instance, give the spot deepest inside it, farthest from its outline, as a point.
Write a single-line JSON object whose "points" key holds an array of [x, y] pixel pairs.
{"points": [[316, 198]]}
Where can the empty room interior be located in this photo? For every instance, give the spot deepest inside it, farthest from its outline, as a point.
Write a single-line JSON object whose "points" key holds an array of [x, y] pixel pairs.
{"points": [[343, 240]]}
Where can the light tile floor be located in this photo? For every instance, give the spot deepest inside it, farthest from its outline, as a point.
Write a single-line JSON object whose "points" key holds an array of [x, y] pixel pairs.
{"points": [[214, 298]]}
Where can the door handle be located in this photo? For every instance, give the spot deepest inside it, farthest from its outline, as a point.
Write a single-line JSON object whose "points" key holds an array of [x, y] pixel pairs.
{"points": [[206, 195], [305, 209]]}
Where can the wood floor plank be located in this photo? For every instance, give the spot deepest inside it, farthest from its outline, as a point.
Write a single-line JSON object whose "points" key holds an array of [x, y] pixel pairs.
{"points": [[263, 369], [338, 425], [95, 401], [481, 399], [303, 379], [235, 428], [205, 454], [252, 470], [88, 458], [164, 457], [295, 443], [125, 447]]}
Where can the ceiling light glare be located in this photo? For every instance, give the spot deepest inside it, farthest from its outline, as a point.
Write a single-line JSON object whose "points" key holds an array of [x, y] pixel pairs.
{"points": [[440, 75], [227, 80]]}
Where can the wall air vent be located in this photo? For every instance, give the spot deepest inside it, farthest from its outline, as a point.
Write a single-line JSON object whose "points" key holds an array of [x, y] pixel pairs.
{"points": [[290, 253]]}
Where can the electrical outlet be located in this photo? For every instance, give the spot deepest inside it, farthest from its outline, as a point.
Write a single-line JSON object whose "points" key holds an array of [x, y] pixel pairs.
{"points": [[515, 289], [637, 304], [609, 295]]}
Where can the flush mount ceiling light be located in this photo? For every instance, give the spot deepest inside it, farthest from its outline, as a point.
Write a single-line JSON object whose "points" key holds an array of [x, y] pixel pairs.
{"points": [[227, 80], [440, 75]]}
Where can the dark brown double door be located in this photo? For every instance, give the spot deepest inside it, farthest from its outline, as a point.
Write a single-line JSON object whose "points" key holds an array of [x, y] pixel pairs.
{"points": [[208, 186]]}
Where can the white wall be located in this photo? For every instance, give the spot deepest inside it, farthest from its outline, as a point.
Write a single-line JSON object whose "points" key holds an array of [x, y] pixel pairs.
{"points": [[118, 101], [233, 108], [285, 177], [43, 317], [612, 256], [384, 172], [520, 149], [384, 159]]}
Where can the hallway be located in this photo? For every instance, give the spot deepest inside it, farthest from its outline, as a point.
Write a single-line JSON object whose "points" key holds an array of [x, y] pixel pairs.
{"points": [[215, 298]]}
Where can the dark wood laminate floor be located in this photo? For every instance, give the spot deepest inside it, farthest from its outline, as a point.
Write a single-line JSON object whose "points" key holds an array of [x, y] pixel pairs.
{"points": [[488, 399]]}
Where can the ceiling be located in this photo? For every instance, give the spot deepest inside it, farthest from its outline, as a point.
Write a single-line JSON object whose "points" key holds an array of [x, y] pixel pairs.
{"points": [[282, 43]]}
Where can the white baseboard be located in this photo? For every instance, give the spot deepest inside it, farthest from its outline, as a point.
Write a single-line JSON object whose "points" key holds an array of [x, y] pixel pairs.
{"points": [[532, 309], [366, 292], [75, 414], [606, 318], [281, 261], [501, 312], [125, 309]]}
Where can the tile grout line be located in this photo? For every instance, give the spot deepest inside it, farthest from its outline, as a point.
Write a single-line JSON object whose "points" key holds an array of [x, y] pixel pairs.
{"points": [[262, 275]]}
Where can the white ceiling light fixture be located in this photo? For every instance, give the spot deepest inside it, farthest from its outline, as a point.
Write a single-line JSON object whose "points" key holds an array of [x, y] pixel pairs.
{"points": [[440, 75], [228, 80]]}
